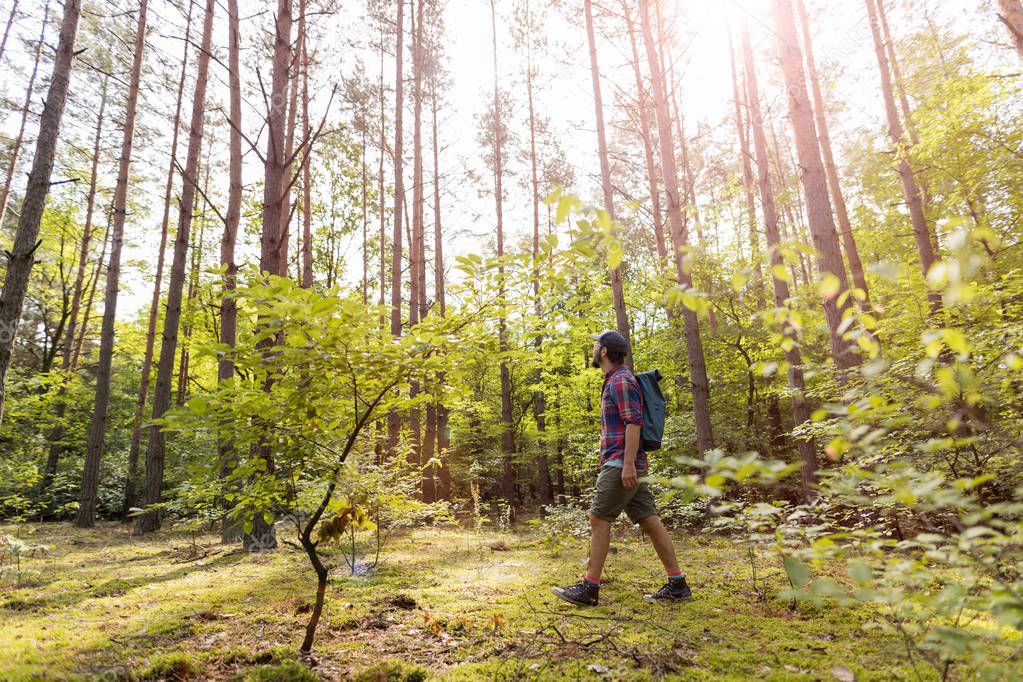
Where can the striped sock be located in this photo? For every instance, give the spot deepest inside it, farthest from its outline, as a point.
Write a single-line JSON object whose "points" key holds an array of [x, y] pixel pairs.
{"points": [[676, 576], [595, 582]]}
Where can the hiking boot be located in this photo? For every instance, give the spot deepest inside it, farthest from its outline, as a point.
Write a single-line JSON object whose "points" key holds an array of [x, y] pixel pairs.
{"points": [[581, 594], [674, 590]]}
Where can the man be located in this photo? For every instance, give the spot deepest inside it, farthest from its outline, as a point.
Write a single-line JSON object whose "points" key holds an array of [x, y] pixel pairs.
{"points": [[622, 464]]}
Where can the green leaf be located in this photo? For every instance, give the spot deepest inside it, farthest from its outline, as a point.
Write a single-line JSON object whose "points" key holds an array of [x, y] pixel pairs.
{"points": [[829, 286], [799, 574], [861, 573], [615, 254]]}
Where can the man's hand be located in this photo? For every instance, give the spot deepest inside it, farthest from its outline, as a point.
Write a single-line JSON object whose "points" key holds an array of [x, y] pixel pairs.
{"points": [[629, 477]]}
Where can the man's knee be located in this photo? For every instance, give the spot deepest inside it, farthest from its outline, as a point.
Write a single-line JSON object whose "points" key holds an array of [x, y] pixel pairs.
{"points": [[650, 523], [597, 522]]}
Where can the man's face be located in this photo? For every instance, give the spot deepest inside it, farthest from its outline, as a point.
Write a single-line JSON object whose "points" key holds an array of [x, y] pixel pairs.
{"points": [[597, 348]]}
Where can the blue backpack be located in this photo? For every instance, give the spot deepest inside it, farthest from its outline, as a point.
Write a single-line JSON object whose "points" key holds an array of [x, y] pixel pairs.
{"points": [[653, 409]]}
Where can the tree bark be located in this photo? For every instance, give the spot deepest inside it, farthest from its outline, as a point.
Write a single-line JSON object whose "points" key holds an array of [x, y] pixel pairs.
{"points": [[86, 515], [800, 410], [508, 487], [852, 253], [156, 447], [900, 83], [539, 397], [12, 163], [229, 531], [643, 113], [307, 173], [815, 185], [1012, 16], [154, 306], [911, 189], [57, 448], [21, 257], [444, 473], [748, 183], [617, 288], [691, 323], [393, 420], [7, 28]]}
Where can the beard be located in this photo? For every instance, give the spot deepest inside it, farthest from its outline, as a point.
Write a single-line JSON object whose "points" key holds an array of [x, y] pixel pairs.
{"points": [[595, 361]]}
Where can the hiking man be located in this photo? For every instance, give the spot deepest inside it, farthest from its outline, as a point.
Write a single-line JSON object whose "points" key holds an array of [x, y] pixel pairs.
{"points": [[622, 464]]}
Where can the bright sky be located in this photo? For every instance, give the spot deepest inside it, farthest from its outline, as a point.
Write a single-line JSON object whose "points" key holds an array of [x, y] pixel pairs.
{"points": [[842, 42]]}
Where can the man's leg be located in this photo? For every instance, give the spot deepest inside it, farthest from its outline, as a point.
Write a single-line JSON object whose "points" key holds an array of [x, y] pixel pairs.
{"points": [[600, 541], [658, 535]]}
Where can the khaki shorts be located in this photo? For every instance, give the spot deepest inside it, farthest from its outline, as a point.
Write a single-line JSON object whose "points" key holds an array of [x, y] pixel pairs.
{"points": [[612, 498]]}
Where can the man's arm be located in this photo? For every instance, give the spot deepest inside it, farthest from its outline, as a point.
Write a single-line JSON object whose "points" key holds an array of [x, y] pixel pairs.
{"points": [[629, 476]]}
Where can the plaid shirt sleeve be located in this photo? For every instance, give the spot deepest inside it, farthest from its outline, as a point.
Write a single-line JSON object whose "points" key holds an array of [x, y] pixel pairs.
{"points": [[629, 400]]}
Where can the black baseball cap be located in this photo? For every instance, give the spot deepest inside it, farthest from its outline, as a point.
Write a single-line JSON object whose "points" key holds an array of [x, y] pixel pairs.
{"points": [[612, 340]]}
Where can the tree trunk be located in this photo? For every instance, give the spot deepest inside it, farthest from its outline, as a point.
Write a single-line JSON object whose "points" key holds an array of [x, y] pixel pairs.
{"points": [[539, 398], [57, 448], [815, 185], [691, 323], [21, 257], [617, 288], [852, 253], [12, 163], [188, 316], [393, 420], [417, 260], [748, 183], [900, 83], [307, 173], [507, 433], [7, 28], [444, 473], [643, 107], [380, 186], [154, 306], [800, 410], [896, 133], [156, 447], [93, 284], [1012, 16], [229, 531], [86, 514]]}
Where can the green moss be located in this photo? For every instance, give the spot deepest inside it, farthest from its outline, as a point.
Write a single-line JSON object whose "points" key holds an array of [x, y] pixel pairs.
{"points": [[288, 671], [172, 667], [392, 671]]}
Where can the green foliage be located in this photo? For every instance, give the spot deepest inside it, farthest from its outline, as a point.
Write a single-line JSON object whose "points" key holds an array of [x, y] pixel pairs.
{"points": [[171, 666], [392, 671], [288, 671]]}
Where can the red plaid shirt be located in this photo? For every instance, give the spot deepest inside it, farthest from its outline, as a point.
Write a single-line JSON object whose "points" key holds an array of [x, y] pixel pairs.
{"points": [[621, 403]]}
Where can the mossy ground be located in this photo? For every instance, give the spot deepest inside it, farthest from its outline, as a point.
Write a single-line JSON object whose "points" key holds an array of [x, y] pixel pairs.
{"points": [[442, 602]]}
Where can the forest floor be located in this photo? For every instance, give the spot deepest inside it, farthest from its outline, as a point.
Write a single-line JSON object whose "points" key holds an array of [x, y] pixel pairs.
{"points": [[451, 603]]}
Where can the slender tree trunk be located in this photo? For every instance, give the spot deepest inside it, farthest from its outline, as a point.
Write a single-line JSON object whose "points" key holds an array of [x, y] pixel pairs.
{"points": [[156, 447], [1012, 16], [230, 531], [12, 163], [7, 28], [307, 173], [86, 514], [380, 187], [914, 197], [900, 83], [57, 447], [643, 106], [800, 410], [444, 474], [617, 288], [815, 184], [92, 286], [417, 269], [748, 182], [21, 257], [852, 253], [154, 306], [691, 323], [393, 419], [539, 398], [508, 487], [287, 177]]}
